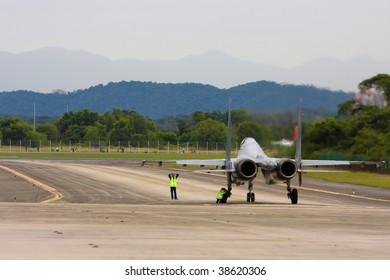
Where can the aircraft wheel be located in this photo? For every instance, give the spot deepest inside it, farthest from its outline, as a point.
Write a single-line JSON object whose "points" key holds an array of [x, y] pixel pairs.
{"points": [[250, 197], [294, 196]]}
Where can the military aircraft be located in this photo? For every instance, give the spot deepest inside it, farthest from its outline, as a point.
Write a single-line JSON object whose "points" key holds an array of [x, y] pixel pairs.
{"points": [[251, 157]]}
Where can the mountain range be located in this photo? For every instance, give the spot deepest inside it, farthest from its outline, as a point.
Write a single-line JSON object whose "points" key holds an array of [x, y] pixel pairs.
{"points": [[49, 69], [157, 100]]}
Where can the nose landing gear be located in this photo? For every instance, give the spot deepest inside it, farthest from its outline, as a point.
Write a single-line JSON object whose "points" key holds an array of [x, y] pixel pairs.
{"points": [[250, 196]]}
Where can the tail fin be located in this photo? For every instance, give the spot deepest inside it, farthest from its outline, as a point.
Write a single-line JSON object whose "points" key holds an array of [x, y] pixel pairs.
{"points": [[298, 144], [298, 135], [295, 134], [229, 148], [229, 135]]}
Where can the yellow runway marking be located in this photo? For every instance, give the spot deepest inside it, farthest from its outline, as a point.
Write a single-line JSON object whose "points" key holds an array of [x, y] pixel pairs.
{"points": [[57, 194]]}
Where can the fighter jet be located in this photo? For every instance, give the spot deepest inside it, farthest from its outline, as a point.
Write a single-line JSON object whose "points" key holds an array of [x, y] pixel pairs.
{"points": [[251, 158]]}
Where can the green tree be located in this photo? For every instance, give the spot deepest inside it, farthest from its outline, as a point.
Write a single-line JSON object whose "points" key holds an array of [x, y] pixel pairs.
{"points": [[182, 127], [122, 130], [50, 130], [92, 133], [143, 125], [14, 129], [370, 143], [239, 116], [347, 109], [197, 117], [138, 138], [249, 129], [72, 125], [36, 138], [168, 136], [124, 125], [209, 131], [329, 134], [185, 137], [378, 119], [73, 134]]}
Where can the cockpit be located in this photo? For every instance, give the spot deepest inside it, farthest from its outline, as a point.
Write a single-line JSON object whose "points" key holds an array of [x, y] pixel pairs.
{"points": [[243, 141]]}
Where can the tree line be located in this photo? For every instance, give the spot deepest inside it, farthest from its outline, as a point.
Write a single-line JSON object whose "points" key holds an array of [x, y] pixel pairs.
{"points": [[123, 126], [356, 130]]}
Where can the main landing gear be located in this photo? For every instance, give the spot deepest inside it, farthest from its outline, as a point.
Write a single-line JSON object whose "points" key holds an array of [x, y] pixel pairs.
{"points": [[292, 193]]}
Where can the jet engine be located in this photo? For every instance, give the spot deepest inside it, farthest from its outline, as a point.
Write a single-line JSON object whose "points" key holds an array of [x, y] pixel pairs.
{"points": [[245, 169], [285, 170]]}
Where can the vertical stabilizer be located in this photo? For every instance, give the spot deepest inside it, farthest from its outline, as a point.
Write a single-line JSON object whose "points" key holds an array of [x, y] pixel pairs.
{"points": [[229, 135], [229, 147], [298, 144]]}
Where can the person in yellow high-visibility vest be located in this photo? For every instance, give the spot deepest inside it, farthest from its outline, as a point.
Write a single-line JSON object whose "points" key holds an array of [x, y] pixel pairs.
{"points": [[222, 195], [173, 184]]}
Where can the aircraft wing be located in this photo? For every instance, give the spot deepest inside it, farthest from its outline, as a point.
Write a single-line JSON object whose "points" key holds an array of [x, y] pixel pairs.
{"points": [[314, 163], [202, 162]]}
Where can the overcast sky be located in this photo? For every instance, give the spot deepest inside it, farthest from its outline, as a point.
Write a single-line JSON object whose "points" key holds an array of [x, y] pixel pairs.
{"points": [[276, 32]]}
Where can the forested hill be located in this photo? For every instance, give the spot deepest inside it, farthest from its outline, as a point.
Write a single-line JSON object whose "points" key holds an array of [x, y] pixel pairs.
{"points": [[156, 100]]}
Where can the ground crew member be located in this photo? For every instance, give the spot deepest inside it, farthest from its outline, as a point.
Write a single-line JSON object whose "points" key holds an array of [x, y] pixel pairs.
{"points": [[219, 195], [223, 195], [226, 195], [173, 184]]}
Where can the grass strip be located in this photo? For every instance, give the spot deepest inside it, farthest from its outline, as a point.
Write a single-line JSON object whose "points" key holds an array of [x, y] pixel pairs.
{"points": [[60, 155], [353, 177]]}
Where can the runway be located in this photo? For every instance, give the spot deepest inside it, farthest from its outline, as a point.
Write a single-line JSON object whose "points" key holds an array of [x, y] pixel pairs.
{"points": [[116, 209]]}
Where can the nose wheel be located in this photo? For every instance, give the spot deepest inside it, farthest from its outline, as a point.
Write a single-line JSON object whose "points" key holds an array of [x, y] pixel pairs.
{"points": [[250, 196]]}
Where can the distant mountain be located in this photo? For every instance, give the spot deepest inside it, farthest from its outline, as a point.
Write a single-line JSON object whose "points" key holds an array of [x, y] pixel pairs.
{"points": [[156, 100], [48, 69]]}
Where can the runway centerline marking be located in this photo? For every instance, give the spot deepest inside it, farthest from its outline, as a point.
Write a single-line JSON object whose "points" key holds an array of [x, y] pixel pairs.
{"points": [[57, 194]]}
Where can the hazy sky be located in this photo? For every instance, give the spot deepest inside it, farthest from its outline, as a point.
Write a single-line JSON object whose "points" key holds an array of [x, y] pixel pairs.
{"points": [[276, 32]]}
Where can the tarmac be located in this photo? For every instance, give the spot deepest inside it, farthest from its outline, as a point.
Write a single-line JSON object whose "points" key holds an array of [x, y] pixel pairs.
{"points": [[118, 210]]}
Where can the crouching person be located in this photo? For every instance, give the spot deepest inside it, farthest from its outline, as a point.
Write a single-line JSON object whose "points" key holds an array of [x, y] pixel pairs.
{"points": [[222, 195]]}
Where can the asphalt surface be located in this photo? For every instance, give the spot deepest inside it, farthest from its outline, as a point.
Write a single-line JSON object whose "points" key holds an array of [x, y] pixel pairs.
{"points": [[116, 209]]}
